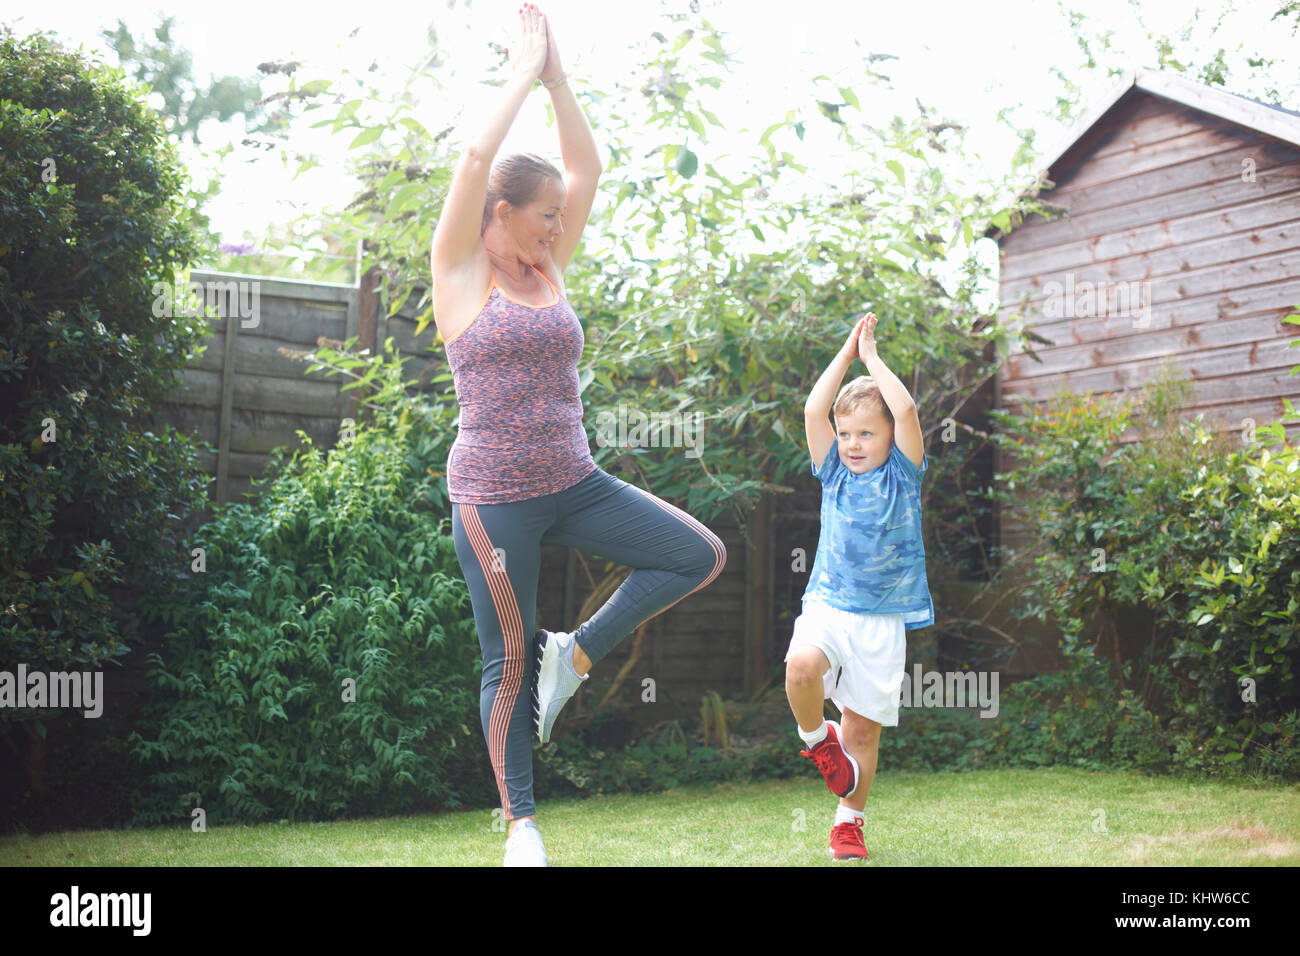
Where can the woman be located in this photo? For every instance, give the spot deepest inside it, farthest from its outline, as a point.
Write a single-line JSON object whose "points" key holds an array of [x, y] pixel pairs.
{"points": [[520, 471]]}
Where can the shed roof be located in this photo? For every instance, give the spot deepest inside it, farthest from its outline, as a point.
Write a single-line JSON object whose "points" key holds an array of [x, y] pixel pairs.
{"points": [[1253, 114], [1276, 121]]}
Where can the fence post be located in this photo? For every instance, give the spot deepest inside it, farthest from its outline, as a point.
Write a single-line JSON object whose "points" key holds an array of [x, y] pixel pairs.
{"points": [[367, 327], [227, 406]]}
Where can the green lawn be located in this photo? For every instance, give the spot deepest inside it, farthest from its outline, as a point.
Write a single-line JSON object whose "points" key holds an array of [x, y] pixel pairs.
{"points": [[1003, 817]]}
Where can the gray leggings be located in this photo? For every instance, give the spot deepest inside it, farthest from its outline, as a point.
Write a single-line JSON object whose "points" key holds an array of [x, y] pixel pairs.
{"points": [[499, 546]]}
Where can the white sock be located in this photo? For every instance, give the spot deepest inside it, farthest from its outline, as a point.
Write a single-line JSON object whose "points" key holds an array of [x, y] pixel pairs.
{"points": [[845, 814], [814, 738]]}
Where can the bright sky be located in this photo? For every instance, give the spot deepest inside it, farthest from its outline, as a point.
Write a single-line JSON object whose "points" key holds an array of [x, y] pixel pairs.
{"points": [[967, 60]]}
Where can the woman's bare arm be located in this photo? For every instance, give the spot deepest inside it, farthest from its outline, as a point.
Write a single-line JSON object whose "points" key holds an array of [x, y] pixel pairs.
{"points": [[457, 236], [578, 151]]}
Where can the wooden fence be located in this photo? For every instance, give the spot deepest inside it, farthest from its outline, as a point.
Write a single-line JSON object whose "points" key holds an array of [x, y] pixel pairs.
{"points": [[245, 396]]}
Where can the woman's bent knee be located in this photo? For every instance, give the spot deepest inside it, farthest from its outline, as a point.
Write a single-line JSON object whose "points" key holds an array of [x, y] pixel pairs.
{"points": [[709, 558]]}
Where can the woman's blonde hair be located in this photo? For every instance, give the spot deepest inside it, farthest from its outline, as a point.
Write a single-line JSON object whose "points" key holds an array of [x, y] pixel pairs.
{"points": [[862, 394], [518, 179]]}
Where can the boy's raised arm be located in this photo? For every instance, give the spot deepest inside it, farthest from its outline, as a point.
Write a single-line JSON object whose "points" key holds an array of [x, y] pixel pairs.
{"points": [[907, 424], [817, 410]]}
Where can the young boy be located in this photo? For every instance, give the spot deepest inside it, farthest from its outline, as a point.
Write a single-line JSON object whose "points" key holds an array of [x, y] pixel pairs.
{"points": [[868, 583]]}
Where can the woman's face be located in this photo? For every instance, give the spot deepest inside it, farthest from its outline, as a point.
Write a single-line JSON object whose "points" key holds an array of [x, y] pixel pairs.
{"points": [[866, 437], [535, 226]]}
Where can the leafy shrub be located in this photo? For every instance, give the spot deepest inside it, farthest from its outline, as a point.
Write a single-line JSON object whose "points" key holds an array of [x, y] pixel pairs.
{"points": [[1178, 528], [344, 570], [91, 504]]}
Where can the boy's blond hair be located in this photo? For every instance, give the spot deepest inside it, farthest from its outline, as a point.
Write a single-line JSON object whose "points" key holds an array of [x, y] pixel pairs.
{"points": [[862, 394]]}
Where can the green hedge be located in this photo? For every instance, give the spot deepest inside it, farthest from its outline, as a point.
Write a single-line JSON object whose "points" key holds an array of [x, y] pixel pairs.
{"points": [[343, 570], [1193, 534], [93, 503]]}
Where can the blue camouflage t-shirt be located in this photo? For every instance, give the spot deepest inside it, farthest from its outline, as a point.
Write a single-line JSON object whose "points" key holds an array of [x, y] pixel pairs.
{"points": [[870, 557]]}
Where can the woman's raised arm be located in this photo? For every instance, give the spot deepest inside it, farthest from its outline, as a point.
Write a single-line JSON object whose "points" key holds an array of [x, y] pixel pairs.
{"points": [[457, 236], [578, 152]]}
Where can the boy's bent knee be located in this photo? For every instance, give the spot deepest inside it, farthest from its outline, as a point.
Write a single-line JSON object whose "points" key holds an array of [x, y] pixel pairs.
{"points": [[806, 665]]}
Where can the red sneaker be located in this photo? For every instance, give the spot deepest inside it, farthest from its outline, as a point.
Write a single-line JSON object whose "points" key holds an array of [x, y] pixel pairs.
{"points": [[839, 769], [846, 842]]}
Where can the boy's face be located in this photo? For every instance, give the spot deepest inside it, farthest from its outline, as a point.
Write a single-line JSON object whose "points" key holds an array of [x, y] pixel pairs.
{"points": [[866, 437]]}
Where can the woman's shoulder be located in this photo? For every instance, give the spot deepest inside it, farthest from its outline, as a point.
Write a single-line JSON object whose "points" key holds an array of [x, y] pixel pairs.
{"points": [[465, 278], [459, 293]]}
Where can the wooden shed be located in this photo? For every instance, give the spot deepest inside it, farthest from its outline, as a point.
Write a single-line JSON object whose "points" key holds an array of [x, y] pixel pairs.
{"points": [[1178, 242], [1181, 242]]}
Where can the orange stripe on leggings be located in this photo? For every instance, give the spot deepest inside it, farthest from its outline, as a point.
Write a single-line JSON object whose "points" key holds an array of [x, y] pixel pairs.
{"points": [[714, 542], [512, 630]]}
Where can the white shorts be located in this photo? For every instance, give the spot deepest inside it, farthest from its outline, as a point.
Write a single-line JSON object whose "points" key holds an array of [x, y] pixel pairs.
{"points": [[868, 657]]}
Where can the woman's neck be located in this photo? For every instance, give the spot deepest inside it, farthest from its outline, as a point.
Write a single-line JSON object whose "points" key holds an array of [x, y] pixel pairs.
{"points": [[509, 264]]}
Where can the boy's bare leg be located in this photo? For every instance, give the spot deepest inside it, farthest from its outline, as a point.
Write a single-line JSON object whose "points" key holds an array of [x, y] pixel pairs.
{"points": [[803, 686], [861, 741]]}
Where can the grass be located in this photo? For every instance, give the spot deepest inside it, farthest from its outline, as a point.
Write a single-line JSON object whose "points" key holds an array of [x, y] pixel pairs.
{"points": [[996, 817]]}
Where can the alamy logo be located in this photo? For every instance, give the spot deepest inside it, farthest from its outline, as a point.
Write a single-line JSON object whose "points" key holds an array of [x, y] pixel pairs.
{"points": [[1102, 299], [953, 689], [239, 299], [102, 909], [76, 690], [629, 427]]}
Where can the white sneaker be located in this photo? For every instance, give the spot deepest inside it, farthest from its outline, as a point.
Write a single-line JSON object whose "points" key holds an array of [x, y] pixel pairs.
{"points": [[556, 681], [524, 846]]}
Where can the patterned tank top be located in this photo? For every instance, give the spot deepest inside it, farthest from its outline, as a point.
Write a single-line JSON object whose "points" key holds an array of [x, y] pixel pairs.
{"points": [[515, 368]]}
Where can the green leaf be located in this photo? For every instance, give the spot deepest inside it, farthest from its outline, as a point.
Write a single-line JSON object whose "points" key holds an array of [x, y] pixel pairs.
{"points": [[687, 163], [896, 168], [392, 179], [367, 136], [406, 196], [414, 126], [766, 138]]}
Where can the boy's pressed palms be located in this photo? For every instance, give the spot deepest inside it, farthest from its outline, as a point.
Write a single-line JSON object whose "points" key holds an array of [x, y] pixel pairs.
{"points": [[867, 339]]}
